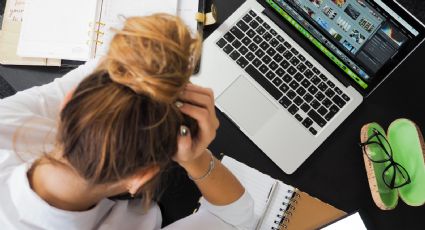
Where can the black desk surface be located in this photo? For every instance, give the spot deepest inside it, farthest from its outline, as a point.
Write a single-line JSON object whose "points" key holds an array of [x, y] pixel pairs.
{"points": [[335, 173]]}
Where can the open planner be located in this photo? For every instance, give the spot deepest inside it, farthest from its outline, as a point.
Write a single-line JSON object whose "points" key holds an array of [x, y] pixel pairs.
{"points": [[281, 206], [82, 29]]}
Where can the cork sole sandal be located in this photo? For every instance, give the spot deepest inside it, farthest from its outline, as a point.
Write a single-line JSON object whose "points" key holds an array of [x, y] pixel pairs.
{"points": [[384, 197], [408, 145]]}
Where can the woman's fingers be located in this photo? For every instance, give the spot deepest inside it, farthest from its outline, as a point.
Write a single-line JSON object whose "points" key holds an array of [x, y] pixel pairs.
{"points": [[197, 99], [184, 145], [198, 89]]}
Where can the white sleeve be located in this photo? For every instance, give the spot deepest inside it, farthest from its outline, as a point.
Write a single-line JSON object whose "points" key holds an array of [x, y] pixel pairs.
{"points": [[237, 215], [37, 109]]}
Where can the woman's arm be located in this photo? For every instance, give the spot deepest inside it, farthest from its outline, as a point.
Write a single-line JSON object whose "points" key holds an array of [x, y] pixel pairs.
{"points": [[223, 194], [37, 108]]}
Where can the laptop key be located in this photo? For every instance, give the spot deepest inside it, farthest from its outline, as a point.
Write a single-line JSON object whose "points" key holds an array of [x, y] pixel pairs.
{"points": [[287, 78], [331, 84], [288, 55], [285, 64], [322, 86], [280, 48], [298, 77], [236, 44], [338, 91], [291, 94], [316, 118], [257, 39], [307, 122], [243, 50], [280, 72], [260, 20], [242, 25], [260, 30], [338, 101], [237, 32], [271, 51], [298, 101], [229, 37], [277, 58], [308, 73], [235, 55], [327, 103], [266, 84], [221, 43], [312, 89], [287, 45], [266, 59], [315, 104], [264, 45], [257, 62], [242, 62], [291, 70], [315, 80], [330, 115], [273, 65], [277, 81], [263, 69], [251, 33], [308, 97], [250, 56], [312, 131], [266, 26], [294, 85], [298, 117], [259, 53], [284, 87], [293, 109], [247, 18], [322, 110], [294, 61], [330, 93], [301, 57], [273, 32], [270, 75], [267, 36], [280, 38], [305, 83], [253, 47], [316, 70], [301, 67], [254, 24], [246, 41], [305, 107], [301, 91], [252, 13], [345, 97], [285, 102], [228, 49], [334, 109], [323, 77], [319, 96]]}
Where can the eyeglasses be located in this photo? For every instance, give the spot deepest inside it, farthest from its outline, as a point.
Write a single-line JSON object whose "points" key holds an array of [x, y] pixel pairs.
{"points": [[394, 175]]}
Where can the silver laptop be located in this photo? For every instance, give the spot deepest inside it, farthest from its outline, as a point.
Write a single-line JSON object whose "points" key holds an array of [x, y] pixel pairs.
{"points": [[289, 72]]}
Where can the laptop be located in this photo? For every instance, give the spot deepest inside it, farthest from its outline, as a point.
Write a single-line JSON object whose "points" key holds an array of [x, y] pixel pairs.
{"points": [[289, 72]]}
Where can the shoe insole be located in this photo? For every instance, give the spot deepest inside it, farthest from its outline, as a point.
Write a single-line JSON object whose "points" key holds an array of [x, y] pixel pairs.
{"points": [[405, 140]]}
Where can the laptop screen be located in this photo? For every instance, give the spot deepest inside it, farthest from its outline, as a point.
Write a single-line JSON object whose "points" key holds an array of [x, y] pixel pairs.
{"points": [[364, 39]]}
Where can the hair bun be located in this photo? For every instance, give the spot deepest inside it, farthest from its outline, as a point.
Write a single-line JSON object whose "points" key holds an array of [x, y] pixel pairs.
{"points": [[153, 55]]}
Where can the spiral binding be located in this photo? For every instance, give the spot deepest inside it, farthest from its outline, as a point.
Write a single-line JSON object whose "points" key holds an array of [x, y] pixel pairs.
{"points": [[97, 25], [288, 207]]}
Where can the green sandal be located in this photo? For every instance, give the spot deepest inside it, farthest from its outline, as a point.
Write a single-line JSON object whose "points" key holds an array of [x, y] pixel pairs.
{"points": [[383, 196], [406, 146]]}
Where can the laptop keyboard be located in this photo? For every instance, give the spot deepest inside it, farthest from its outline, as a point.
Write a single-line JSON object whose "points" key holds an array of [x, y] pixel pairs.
{"points": [[5, 88], [283, 72]]}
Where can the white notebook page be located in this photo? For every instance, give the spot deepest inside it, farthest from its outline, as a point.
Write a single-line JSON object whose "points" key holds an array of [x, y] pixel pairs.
{"points": [[57, 29], [256, 183], [115, 11]]}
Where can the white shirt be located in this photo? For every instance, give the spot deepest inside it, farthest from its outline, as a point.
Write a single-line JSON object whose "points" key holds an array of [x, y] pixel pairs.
{"points": [[30, 116]]}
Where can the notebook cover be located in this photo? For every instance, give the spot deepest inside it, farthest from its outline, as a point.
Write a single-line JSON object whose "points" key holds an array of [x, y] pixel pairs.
{"points": [[311, 213]]}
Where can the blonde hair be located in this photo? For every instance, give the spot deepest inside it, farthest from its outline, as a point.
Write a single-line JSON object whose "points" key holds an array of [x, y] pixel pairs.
{"points": [[122, 117]]}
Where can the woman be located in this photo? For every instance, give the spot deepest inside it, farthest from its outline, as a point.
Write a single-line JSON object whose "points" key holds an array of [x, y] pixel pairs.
{"points": [[125, 119]]}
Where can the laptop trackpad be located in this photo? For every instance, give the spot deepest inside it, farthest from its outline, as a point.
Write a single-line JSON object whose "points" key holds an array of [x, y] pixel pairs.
{"points": [[246, 105]]}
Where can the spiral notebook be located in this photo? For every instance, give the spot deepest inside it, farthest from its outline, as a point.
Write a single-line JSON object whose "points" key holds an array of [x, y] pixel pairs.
{"points": [[81, 29], [281, 206]]}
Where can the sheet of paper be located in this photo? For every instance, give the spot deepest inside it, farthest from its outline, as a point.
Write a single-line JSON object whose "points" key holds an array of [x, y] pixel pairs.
{"points": [[114, 13], [256, 183], [9, 38], [353, 221], [57, 29], [187, 10]]}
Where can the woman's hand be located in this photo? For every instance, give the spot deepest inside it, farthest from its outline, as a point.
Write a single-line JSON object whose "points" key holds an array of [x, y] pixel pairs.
{"points": [[198, 103]]}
